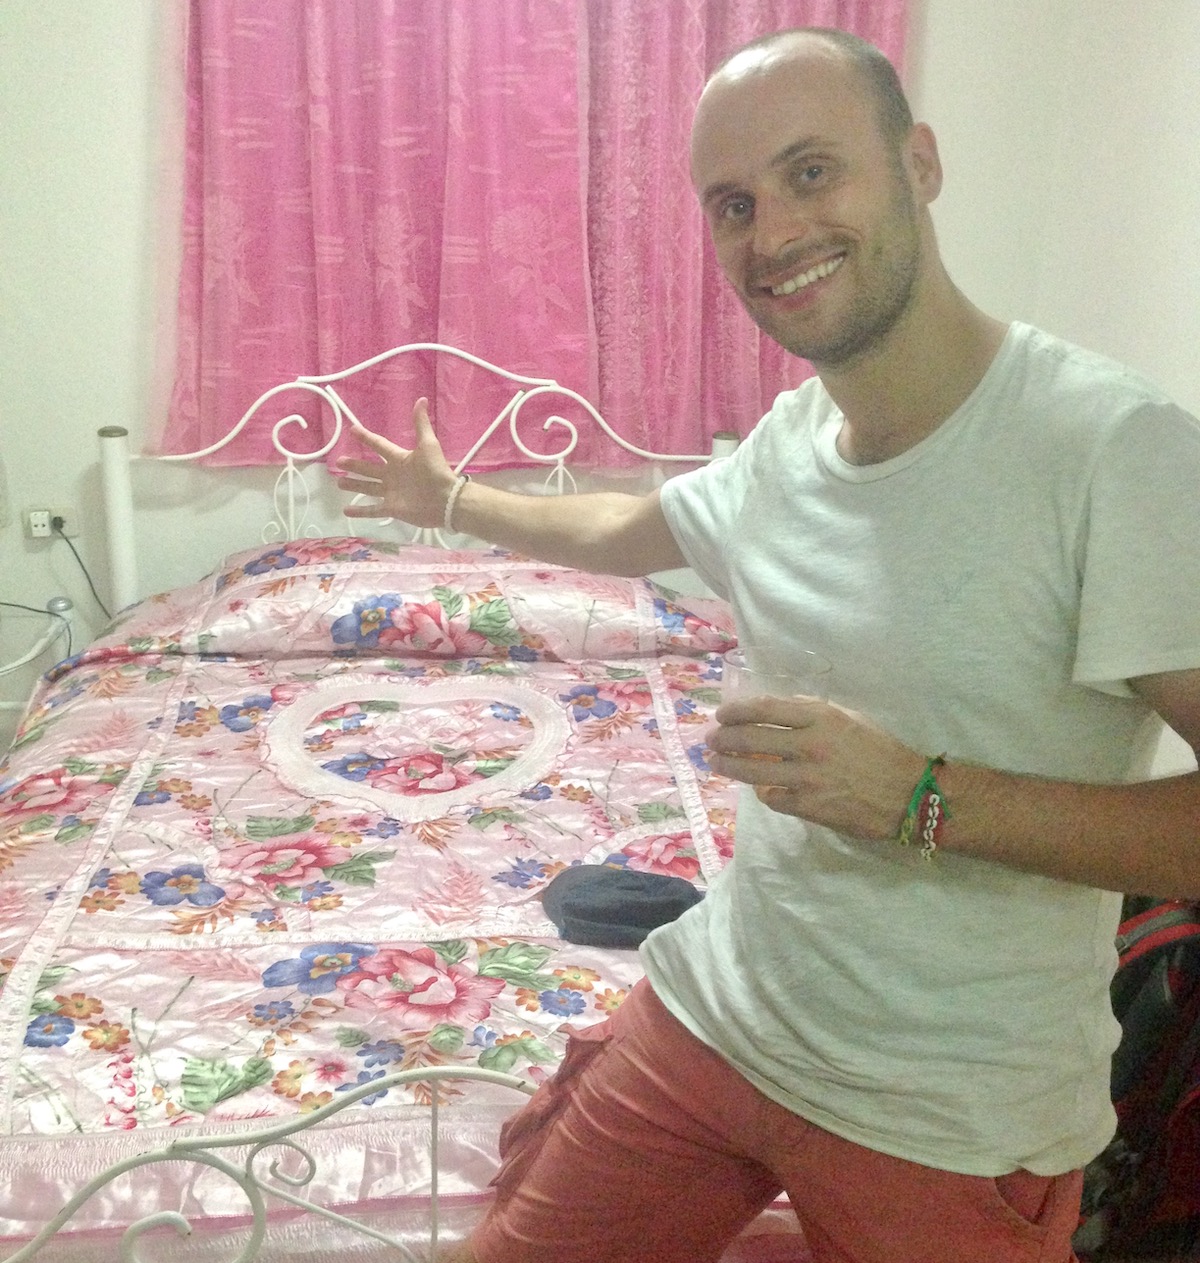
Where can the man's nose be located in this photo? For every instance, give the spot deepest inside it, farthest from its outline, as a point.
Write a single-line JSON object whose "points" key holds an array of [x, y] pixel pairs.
{"points": [[778, 222]]}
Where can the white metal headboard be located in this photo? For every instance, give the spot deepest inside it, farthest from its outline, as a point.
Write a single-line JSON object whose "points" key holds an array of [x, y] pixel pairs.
{"points": [[291, 494]]}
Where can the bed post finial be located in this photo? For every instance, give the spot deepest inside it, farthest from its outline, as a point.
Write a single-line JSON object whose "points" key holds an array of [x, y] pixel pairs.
{"points": [[118, 515]]}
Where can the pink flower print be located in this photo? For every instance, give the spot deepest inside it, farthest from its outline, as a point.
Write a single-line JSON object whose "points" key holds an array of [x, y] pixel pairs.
{"points": [[418, 991], [57, 792], [723, 839], [331, 1070], [664, 853], [426, 629], [629, 694], [284, 861], [308, 552], [427, 773]]}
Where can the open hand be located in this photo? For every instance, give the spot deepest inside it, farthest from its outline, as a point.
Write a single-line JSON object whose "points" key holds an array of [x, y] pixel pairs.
{"points": [[818, 761], [411, 484]]}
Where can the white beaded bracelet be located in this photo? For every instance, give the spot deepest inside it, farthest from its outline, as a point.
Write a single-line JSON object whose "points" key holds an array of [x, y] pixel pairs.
{"points": [[452, 499]]}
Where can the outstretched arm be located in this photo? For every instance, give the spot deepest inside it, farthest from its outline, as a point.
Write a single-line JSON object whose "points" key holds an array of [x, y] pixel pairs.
{"points": [[608, 532], [834, 767]]}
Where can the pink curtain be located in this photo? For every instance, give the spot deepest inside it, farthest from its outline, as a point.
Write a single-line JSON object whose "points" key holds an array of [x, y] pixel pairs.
{"points": [[508, 177]]}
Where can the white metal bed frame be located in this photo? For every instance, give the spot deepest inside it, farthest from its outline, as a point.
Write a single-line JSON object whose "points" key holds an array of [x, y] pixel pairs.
{"points": [[58, 624], [291, 500], [291, 496], [257, 1186]]}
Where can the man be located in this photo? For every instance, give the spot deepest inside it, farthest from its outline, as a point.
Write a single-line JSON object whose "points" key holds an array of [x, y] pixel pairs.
{"points": [[992, 535]]}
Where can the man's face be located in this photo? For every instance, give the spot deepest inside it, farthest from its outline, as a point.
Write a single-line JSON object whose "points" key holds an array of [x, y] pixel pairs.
{"points": [[812, 214]]}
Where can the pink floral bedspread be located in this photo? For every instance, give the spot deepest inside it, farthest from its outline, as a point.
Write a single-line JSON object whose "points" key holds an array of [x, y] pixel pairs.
{"points": [[283, 832]]}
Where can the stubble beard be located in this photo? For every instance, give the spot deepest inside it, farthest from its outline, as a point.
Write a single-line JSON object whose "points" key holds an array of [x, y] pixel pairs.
{"points": [[892, 268]]}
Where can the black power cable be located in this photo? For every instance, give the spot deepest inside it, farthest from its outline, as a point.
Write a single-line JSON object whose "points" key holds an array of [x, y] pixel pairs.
{"points": [[56, 525]]}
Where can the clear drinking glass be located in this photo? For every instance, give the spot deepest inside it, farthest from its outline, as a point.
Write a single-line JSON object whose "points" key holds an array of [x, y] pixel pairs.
{"points": [[758, 670]]}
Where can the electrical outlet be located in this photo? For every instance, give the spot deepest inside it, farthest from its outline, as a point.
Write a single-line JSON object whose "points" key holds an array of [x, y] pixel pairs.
{"points": [[37, 524], [47, 523]]}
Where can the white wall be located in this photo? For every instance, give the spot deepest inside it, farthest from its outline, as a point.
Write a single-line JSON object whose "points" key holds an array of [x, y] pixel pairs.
{"points": [[1070, 134], [1069, 129], [77, 111]]}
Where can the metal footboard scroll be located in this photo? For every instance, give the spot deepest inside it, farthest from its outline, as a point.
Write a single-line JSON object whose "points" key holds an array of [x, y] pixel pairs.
{"points": [[273, 1182]]}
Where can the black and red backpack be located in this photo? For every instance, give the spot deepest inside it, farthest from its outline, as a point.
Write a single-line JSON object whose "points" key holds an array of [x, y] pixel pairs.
{"points": [[1142, 1194]]}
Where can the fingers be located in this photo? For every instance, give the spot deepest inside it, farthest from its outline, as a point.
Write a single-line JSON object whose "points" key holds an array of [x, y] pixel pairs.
{"points": [[422, 425], [360, 486], [784, 712], [764, 740], [368, 469], [425, 437], [780, 799], [377, 443]]}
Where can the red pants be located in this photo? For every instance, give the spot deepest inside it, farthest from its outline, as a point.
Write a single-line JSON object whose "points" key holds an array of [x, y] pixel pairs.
{"points": [[647, 1146]]}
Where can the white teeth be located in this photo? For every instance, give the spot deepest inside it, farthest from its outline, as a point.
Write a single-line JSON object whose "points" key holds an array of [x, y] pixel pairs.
{"points": [[807, 278]]}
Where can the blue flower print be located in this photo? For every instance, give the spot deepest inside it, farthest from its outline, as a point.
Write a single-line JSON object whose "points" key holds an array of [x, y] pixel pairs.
{"points": [[522, 653], [274, 1012], [150, 796], [537, 793], [510, 714], [671, 617], [563, 1003], [363, 624], [50, 1030], [586, 702], [386, 828], [482, 1037], [186, 882], [316, 970], [381, 1053], [698, 757], [242, 716], [316, 890], [354, 767], [273, 559], [522, 874], [685, 706], [365, 1076]]}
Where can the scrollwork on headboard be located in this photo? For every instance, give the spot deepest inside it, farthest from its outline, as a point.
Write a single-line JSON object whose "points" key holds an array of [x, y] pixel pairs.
{"points": [[291, 497]]}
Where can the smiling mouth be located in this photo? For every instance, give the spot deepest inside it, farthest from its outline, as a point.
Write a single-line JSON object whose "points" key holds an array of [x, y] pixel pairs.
{"points": [[817, 273]]}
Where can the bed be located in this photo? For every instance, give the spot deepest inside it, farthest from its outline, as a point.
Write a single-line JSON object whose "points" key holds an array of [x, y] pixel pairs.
{"points": [[273, 963]]}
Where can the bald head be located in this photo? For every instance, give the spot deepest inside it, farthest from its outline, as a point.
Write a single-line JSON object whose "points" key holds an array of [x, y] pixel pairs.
{"points": [[815, 184], [875, 74]]}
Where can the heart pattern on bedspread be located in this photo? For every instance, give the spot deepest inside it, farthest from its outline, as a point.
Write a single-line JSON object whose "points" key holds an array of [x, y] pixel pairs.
{"points": [[284, 830]]}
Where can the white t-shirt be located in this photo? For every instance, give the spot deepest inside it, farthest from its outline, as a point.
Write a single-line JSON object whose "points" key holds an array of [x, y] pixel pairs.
{"points": [[985, 594]]}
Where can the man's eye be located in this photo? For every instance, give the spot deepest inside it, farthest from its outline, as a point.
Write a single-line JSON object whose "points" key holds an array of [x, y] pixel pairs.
{"points": [[735, 209], [805, 176]]}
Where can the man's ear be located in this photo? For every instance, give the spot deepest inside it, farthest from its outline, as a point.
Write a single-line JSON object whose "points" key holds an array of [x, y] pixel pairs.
{"points": [[922, 162]]}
